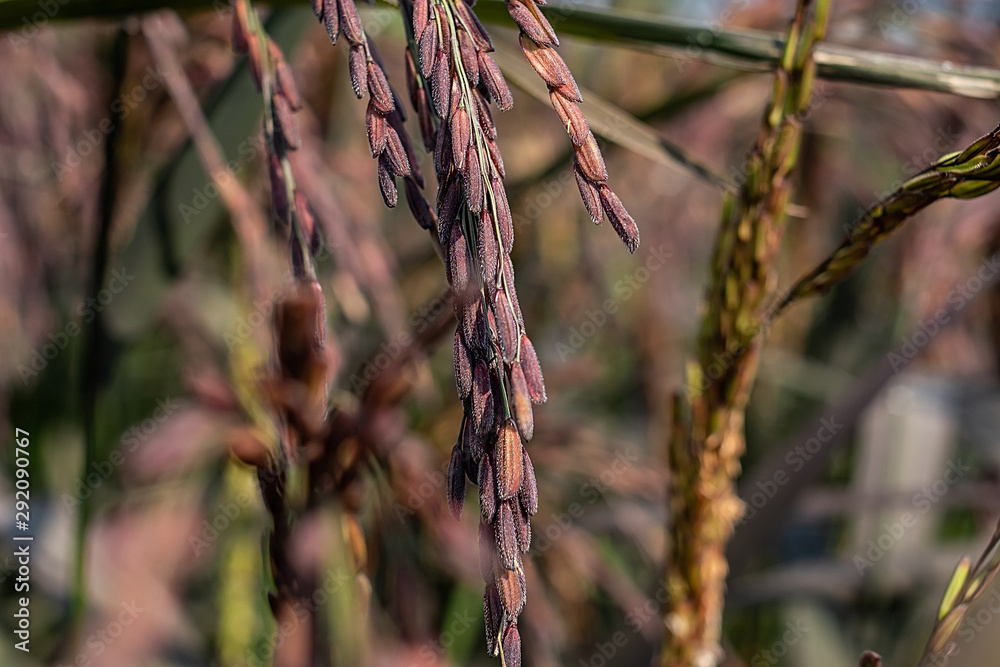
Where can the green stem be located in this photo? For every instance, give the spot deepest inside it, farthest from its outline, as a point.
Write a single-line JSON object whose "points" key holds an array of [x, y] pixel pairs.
{"points": [[742, 49]]}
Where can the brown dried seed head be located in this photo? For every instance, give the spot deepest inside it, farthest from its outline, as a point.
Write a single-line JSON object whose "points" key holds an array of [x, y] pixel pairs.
{"points": [[359, 68], [506, 326], [479, 34], [548, 64], [481, 395], [487, 491], [286, 123], [463, 367], [504, 220], [445, 27], [572, 118], [350, 22], [443, 160], [492, 615], [441, 84], [456, 482], [510, 586], [399, 164], [473, 444], [331, 19], [386, 182], [521, 400], [495, 83], [532, 370], [377, 128], [428, 43], [461, 134], [590, 161], [420, 13], [467, 52], [620, 218], [509, 462], [448, 201], [378, 88], [512, 647], [549, 30], [529, 486], [590, 196], [568, 91], [489, 251], [495, 157], [459, 262], [418, 204], [485, 117], [506, 536], [469, 314], [472, 178], [531, 22]]}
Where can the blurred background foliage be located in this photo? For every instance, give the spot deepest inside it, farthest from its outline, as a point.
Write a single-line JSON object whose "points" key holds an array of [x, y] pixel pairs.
{"points": [[176, 526]]}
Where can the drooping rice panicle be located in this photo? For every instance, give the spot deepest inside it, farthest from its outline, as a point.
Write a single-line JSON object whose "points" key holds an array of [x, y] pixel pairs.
{"points": [[963, 175], [538, 41]]}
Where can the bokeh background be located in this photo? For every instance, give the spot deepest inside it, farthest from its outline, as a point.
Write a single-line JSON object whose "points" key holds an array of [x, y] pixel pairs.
{"points": [[849, 545]]}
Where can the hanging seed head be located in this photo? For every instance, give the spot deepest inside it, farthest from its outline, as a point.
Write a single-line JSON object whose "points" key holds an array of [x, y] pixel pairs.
{"points": [[532, 371], [510, 586], [506, 536], [487, 491], [528, 494], [456, 482], [521, 402], [509, 461]]}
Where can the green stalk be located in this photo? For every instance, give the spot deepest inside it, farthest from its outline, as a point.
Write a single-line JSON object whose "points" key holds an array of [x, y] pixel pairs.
{"points": [[743, 49], [707, 438], [968, 174]]}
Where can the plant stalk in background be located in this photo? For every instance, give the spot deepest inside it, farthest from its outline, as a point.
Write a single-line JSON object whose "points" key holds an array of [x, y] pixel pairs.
{"points": [[707, 440]]}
